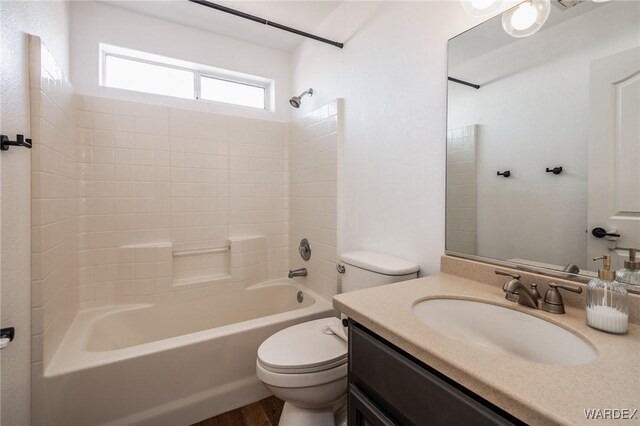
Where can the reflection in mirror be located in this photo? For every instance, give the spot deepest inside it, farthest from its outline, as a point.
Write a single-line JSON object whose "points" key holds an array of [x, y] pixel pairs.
{"points": [[547, 149]]}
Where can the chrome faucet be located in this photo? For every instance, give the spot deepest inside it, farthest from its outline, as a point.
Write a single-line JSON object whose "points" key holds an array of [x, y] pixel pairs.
{"points": [[302, 272], [518, 292]]}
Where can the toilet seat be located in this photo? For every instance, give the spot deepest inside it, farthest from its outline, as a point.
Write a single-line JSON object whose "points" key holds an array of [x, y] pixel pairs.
{"points": [[303, 380], [302, 349]]}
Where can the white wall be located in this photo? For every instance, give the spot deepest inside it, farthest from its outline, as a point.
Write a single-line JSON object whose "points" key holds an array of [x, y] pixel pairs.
{"points": [[49, 20], [93, 23], [392, 75], [551, 71]]}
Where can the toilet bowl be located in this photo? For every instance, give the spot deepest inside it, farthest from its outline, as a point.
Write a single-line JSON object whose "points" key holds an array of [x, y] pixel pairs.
{"points": [[306, 367]]}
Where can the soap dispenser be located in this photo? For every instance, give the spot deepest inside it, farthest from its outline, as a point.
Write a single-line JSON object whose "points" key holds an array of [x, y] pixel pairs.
{"points": [[607, 304], [630, 275]]}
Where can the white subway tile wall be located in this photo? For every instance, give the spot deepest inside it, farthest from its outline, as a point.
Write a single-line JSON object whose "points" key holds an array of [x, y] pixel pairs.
{"points": [[160, 180], [54, 236], [54, 231], [461, 189], [313, 164]]}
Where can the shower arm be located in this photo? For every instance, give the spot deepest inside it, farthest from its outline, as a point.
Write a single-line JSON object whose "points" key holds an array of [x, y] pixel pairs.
{"points": [[305, 93], [266, 22]]}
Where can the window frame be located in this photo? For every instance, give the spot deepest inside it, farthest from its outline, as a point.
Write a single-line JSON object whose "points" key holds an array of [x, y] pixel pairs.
{"points": [[198, 73]]}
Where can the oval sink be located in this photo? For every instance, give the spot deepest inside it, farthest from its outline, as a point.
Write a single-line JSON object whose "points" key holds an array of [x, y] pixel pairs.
{"points": [[505, 331]]}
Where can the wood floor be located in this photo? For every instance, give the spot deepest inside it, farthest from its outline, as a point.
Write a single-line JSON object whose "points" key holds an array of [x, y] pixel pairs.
{"points": [[262, 413]]}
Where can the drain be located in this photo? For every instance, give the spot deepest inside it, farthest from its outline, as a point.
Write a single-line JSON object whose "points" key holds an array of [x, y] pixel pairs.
{"points": [[300, 297]]}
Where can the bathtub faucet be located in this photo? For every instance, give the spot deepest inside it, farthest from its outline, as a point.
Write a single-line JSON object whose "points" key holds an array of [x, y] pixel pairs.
{"points": [[302, 272]]}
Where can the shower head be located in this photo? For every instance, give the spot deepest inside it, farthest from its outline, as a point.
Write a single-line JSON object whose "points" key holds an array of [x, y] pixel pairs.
{"points": [[296, 100]]}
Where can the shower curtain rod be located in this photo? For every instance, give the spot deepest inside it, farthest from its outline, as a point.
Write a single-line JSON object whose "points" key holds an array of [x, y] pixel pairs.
{"points": [[266, 22], [466, 83]]}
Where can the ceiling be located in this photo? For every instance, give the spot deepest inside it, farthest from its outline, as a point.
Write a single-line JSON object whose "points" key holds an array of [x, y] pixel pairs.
{"points": [[304, 15], [489, 35]]}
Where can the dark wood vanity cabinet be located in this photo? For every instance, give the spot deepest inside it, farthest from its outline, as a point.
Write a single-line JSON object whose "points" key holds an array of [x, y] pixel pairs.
{"points": [[387, 386]]}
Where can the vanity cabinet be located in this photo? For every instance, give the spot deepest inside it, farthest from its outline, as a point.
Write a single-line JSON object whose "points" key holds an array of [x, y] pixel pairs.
{"points": [[390, 387]]}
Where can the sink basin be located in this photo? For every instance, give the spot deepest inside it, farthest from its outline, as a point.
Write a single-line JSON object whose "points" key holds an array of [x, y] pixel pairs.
{"points": [[505, 331]]}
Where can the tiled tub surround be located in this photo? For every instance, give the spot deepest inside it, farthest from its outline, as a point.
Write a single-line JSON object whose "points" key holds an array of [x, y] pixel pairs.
{"points": [[160, 180], [54, 184], [313, 164], [535, 393], [167, 208], [54, 213], [188, 356]]}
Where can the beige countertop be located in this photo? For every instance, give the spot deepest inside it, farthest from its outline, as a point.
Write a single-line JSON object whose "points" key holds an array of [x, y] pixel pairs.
{"points": [[535, 393]]}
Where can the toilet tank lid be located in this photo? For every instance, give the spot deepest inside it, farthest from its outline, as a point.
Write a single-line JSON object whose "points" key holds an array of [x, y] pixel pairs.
{"points": [[379, 263]]}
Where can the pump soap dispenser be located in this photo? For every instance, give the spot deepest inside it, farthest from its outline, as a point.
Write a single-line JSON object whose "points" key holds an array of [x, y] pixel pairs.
{"points": [[629, 276], [607, 304]]}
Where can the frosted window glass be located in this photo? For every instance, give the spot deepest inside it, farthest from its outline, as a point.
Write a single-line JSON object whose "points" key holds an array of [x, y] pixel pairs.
{"points": [[213, 89], [123, 73]]}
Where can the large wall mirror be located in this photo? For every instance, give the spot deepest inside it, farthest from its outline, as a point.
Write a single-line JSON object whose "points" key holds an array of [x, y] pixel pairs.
{"points": [[543, 142]]}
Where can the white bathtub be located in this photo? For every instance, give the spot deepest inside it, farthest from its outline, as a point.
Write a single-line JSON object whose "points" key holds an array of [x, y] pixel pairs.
{"points": [[173, 362]]}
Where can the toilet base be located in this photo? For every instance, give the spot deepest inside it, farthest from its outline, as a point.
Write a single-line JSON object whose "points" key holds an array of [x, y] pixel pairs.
{"points": [[340, 415], [296, 416]]}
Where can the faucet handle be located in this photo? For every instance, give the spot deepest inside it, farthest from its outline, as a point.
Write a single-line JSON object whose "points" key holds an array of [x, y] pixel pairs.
{"points": [[573, 288], [553, 299], [507, 274]]}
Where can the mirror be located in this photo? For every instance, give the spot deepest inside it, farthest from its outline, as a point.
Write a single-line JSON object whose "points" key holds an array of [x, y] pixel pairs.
{"points": [[546, 149]]}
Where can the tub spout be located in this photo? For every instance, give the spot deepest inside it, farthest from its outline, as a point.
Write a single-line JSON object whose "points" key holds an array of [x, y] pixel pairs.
{"points": [[302, 272]]}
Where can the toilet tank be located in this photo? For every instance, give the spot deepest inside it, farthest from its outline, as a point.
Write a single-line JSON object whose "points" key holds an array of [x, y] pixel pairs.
{"points": [[365, 269]]}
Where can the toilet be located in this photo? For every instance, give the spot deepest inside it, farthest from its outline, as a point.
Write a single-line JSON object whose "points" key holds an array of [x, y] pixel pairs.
{"points": [[307, 368]]}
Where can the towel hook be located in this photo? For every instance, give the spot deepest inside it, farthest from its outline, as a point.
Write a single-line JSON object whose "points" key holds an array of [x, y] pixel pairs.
{"points": [[506, 173], [555, 170], [5, 143]]}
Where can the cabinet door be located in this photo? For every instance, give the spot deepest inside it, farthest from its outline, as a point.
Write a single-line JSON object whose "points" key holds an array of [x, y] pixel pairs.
{"points": [[364, 412], [412, 393]]}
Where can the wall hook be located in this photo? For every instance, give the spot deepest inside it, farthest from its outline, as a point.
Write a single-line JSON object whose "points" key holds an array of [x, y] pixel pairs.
{"points": [[506, 173], [555, 170], [5, 143], [6, 336]]}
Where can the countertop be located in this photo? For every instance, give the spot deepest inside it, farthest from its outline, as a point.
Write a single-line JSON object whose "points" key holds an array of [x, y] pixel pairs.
{"points": [[535, 393]]}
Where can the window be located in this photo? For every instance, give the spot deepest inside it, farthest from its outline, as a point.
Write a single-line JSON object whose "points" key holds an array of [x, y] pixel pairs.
{"points": [[144, 72], [230, 92], [125, 73]]}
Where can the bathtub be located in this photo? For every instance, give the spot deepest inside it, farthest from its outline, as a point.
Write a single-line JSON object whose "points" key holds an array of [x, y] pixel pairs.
{"points": [[177, 361]]}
